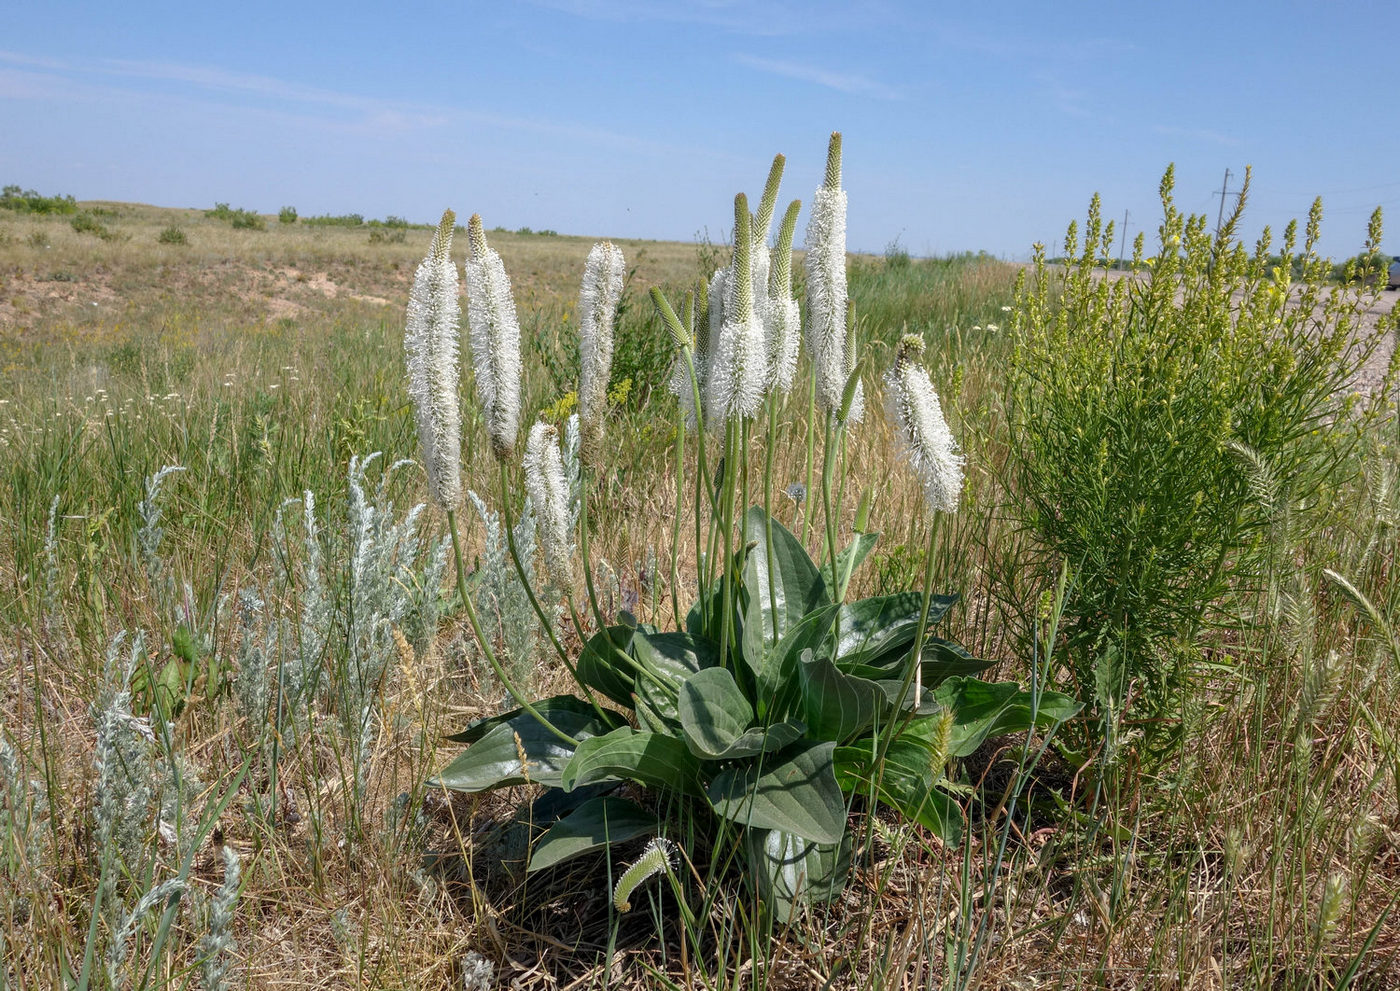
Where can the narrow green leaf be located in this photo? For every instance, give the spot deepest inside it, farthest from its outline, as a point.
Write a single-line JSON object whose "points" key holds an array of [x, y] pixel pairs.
{"points": [[849, 558]]}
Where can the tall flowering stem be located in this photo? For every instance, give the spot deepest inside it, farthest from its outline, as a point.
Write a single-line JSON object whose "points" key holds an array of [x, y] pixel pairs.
{"points": [[430, 347], [826, 283], [427, 341], [598, 298], [495, 340]]}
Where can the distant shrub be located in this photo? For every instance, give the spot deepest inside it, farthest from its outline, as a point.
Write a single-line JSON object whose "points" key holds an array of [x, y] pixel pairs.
{"points": [[523, 230], [287, 215], [380, 235], [240, 219], [28, 201], [331, 220], [38, 239], [172, 235], [896, 255], [86, 223]]}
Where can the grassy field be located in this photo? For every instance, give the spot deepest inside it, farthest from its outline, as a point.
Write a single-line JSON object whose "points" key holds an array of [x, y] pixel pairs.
{"points": [[1243, 834]]}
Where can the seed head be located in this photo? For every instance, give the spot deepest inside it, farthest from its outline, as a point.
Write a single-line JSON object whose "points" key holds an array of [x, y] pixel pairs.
{"points": [[784, 317], [928, 444], [495, 340], [826, 283], [549, 491], [597, 306], [430, 346]]}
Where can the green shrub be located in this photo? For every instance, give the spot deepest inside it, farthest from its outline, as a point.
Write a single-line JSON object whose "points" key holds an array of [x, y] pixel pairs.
{"points": [[171, 235], [287, 215], [239, 219], [380, 235], [342, 220], [1140, 409], [28, 201], [86, 223]]}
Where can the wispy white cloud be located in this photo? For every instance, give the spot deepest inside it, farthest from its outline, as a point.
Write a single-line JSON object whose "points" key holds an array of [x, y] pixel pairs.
{"points": [[854, 84], [758, 18], [26, 77], [1196, 134]]}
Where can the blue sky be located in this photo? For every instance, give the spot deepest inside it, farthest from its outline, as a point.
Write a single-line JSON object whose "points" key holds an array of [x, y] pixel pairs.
{"points": [[967, 126]]}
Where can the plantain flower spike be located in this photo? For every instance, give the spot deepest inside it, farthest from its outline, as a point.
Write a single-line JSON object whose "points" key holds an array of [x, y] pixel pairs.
{"points": [[760, 258], [927, 443], [826, 283], [737, 370], [597, 305], [784, 315], [430, 346], [495, 340], [548, 487], [699, 328]]}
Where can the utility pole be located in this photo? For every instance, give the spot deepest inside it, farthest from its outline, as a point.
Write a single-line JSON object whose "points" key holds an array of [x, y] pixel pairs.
{"points": [[1220, 214], [1123, 239]]}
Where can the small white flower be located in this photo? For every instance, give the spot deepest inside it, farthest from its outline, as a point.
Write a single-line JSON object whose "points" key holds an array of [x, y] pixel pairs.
{"points": [[924, 435], [495, 340]]}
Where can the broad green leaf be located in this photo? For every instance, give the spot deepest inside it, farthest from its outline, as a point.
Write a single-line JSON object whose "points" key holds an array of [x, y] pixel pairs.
{"points": [[909, 783], [653, 759], [780, 596], [983, 708], [795, 791], [791, 872], [777, 681], [848, 559], [836, 706], [600, 667], [673, 657], [599, 822], [494, 761], [714, 712], [876, 626], [549, 708]]}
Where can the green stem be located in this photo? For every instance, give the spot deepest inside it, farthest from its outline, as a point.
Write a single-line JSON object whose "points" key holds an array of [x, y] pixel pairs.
{"points": [[545, 622], [485, 644], [676, 521], [811, 453], [727, 524]]}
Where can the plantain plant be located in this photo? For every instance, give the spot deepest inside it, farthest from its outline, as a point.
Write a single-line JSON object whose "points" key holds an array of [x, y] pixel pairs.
{"points": [[756, 723]]}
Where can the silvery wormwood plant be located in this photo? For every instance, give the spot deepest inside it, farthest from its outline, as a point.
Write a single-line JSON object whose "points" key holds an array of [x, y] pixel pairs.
{"points": [[757, 720]]}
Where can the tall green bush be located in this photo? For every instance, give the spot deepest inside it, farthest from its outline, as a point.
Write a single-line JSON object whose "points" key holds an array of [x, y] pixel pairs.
{"points": [[1140, 408]]}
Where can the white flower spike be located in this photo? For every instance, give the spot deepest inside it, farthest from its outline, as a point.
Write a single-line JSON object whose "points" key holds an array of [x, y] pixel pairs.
{"points": [[549, 492], [430, 346], [597, 306], [737, 371], [495, 339], [826, 283], [927, 442]]}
